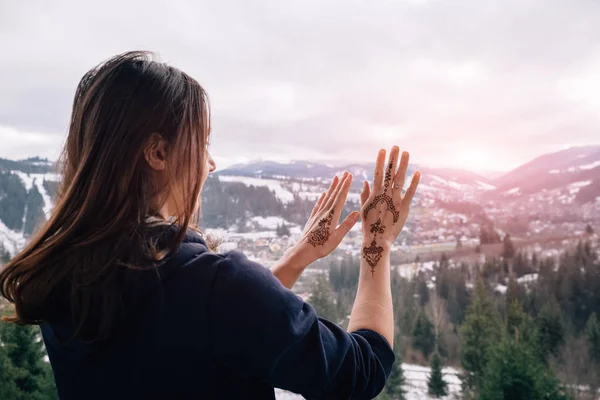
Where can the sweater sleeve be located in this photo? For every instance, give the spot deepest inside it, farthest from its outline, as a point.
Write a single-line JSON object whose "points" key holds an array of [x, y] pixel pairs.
{"points": [[261, 329]]}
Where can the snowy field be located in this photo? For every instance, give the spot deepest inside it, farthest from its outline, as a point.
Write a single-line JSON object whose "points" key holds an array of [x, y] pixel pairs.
{"points": [[416, 384]]}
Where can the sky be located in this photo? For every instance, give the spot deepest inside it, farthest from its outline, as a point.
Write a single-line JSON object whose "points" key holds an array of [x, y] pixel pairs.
{"points": [[476, 84]]}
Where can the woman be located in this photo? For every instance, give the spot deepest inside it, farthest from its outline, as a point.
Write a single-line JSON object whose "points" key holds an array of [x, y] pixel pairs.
{"points": [[133, 305]]}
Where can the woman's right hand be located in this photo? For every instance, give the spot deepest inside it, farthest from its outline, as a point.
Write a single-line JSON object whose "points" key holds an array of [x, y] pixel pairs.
{"points": [[384, 208]]}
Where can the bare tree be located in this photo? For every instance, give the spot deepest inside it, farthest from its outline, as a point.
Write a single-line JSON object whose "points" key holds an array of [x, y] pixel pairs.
{"points": [[437, 313], [574, 368]]}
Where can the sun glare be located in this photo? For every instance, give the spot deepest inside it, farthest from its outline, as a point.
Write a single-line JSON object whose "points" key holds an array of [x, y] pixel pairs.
{"points": [[474, 158]]}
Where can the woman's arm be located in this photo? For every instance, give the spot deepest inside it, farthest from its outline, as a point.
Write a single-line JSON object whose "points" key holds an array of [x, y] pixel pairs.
{"points": [[260, 329], [321, 234], [384, 211]]}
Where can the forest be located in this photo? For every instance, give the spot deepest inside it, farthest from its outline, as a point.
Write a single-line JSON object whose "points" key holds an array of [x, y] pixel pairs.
{"points": [[534, 340]]}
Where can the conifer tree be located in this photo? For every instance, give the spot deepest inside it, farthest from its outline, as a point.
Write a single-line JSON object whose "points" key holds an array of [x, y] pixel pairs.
{"points": [[321, 299], [436, 385], [24, 350], [394, 386], [508, 247], [515, 372], [479, 333], [592, 331], [550, 330], [423, 335]]}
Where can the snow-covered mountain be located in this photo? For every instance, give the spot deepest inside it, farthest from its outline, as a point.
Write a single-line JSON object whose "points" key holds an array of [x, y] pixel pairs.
{"points": [[564, 178], [575, 170], [26, 189]]}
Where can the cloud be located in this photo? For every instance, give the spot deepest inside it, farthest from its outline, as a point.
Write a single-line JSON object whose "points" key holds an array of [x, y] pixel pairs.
{"points": [[329, 78]]}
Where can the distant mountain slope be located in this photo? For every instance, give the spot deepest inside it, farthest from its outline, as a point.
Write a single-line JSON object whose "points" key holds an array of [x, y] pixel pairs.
{"points": [[576, 169], [431, 178], [26, 188]]}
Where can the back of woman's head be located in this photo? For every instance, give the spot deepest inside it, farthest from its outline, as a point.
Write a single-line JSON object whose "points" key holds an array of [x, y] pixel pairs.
{"points": [[122, 108]]}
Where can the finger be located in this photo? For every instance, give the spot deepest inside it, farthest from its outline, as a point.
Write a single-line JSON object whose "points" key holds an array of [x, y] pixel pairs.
{"points": [[391, 169], [400, 177], [378, 173], [317, 206], [341, 197], [338, 234], [408, 196], [331, 189], [331, 198], [364, 195]]}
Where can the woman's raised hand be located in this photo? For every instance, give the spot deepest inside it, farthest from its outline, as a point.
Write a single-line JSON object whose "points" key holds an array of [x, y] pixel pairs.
{"points": [[322, 234], [384, 208]]}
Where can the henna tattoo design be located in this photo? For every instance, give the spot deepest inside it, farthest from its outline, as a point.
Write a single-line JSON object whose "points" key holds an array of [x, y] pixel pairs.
{"points": [[388, 174], [320, 234], [377, 227], [383, 197], [372, 254]]}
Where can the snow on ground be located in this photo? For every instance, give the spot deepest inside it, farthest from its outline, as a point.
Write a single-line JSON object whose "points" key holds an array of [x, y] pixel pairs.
{"points": [[47, 200], [270, 222], [274, 185], [256, 235], [528, 278], [575, 186], [38, 180], [500, 288], [590, 165], [452, 184], [485, 186], [11, 241], [416, 384], [428, 265]]}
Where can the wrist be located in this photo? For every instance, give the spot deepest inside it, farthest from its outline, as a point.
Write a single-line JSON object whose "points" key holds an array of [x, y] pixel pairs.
{"points": [[295, 259], [368, 241]]}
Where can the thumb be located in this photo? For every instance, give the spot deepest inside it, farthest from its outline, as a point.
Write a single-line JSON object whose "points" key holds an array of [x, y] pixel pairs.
{"points": [[344, 228]]}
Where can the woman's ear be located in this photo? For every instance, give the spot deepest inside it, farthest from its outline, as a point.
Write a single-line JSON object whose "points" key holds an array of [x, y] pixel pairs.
{"points": [[155, 152]]}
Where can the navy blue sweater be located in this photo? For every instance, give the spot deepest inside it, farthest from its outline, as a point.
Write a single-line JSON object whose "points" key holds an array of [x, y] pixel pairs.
{"points": [[210, 326]]}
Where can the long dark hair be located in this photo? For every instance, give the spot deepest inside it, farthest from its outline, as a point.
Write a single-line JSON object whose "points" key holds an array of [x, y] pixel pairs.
{"points": [[108, 190]]}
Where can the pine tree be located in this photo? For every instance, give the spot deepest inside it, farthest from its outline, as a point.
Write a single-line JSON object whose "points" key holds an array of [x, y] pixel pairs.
{"points": [[515, 372], [422, 292], [394, 386], [25, 352], [508, 250], [516, 319], [589, 230], [321, 300], [436, 385], [423, 335], [282, 230], [592, 331], [479, 333], [8, 377], [550, 331]]}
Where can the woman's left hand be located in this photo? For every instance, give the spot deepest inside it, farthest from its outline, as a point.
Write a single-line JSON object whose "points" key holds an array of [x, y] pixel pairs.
{"points": [[321, 234]]}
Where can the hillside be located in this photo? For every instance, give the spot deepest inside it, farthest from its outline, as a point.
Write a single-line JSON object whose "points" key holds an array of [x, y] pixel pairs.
{"points": [[26, 189], [576, 170], [236, 198]]}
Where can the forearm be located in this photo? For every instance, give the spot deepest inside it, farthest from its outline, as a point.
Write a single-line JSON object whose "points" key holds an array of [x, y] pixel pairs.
{"points": [[373, 304], [289, 268]]}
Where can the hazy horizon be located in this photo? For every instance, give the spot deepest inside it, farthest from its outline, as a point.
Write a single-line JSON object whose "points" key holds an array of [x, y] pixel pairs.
{"points": [[473, 84]]}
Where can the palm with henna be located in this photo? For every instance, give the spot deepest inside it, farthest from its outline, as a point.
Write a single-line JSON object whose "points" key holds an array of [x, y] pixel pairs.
{"points": [[321, 234], [384, 208]]}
